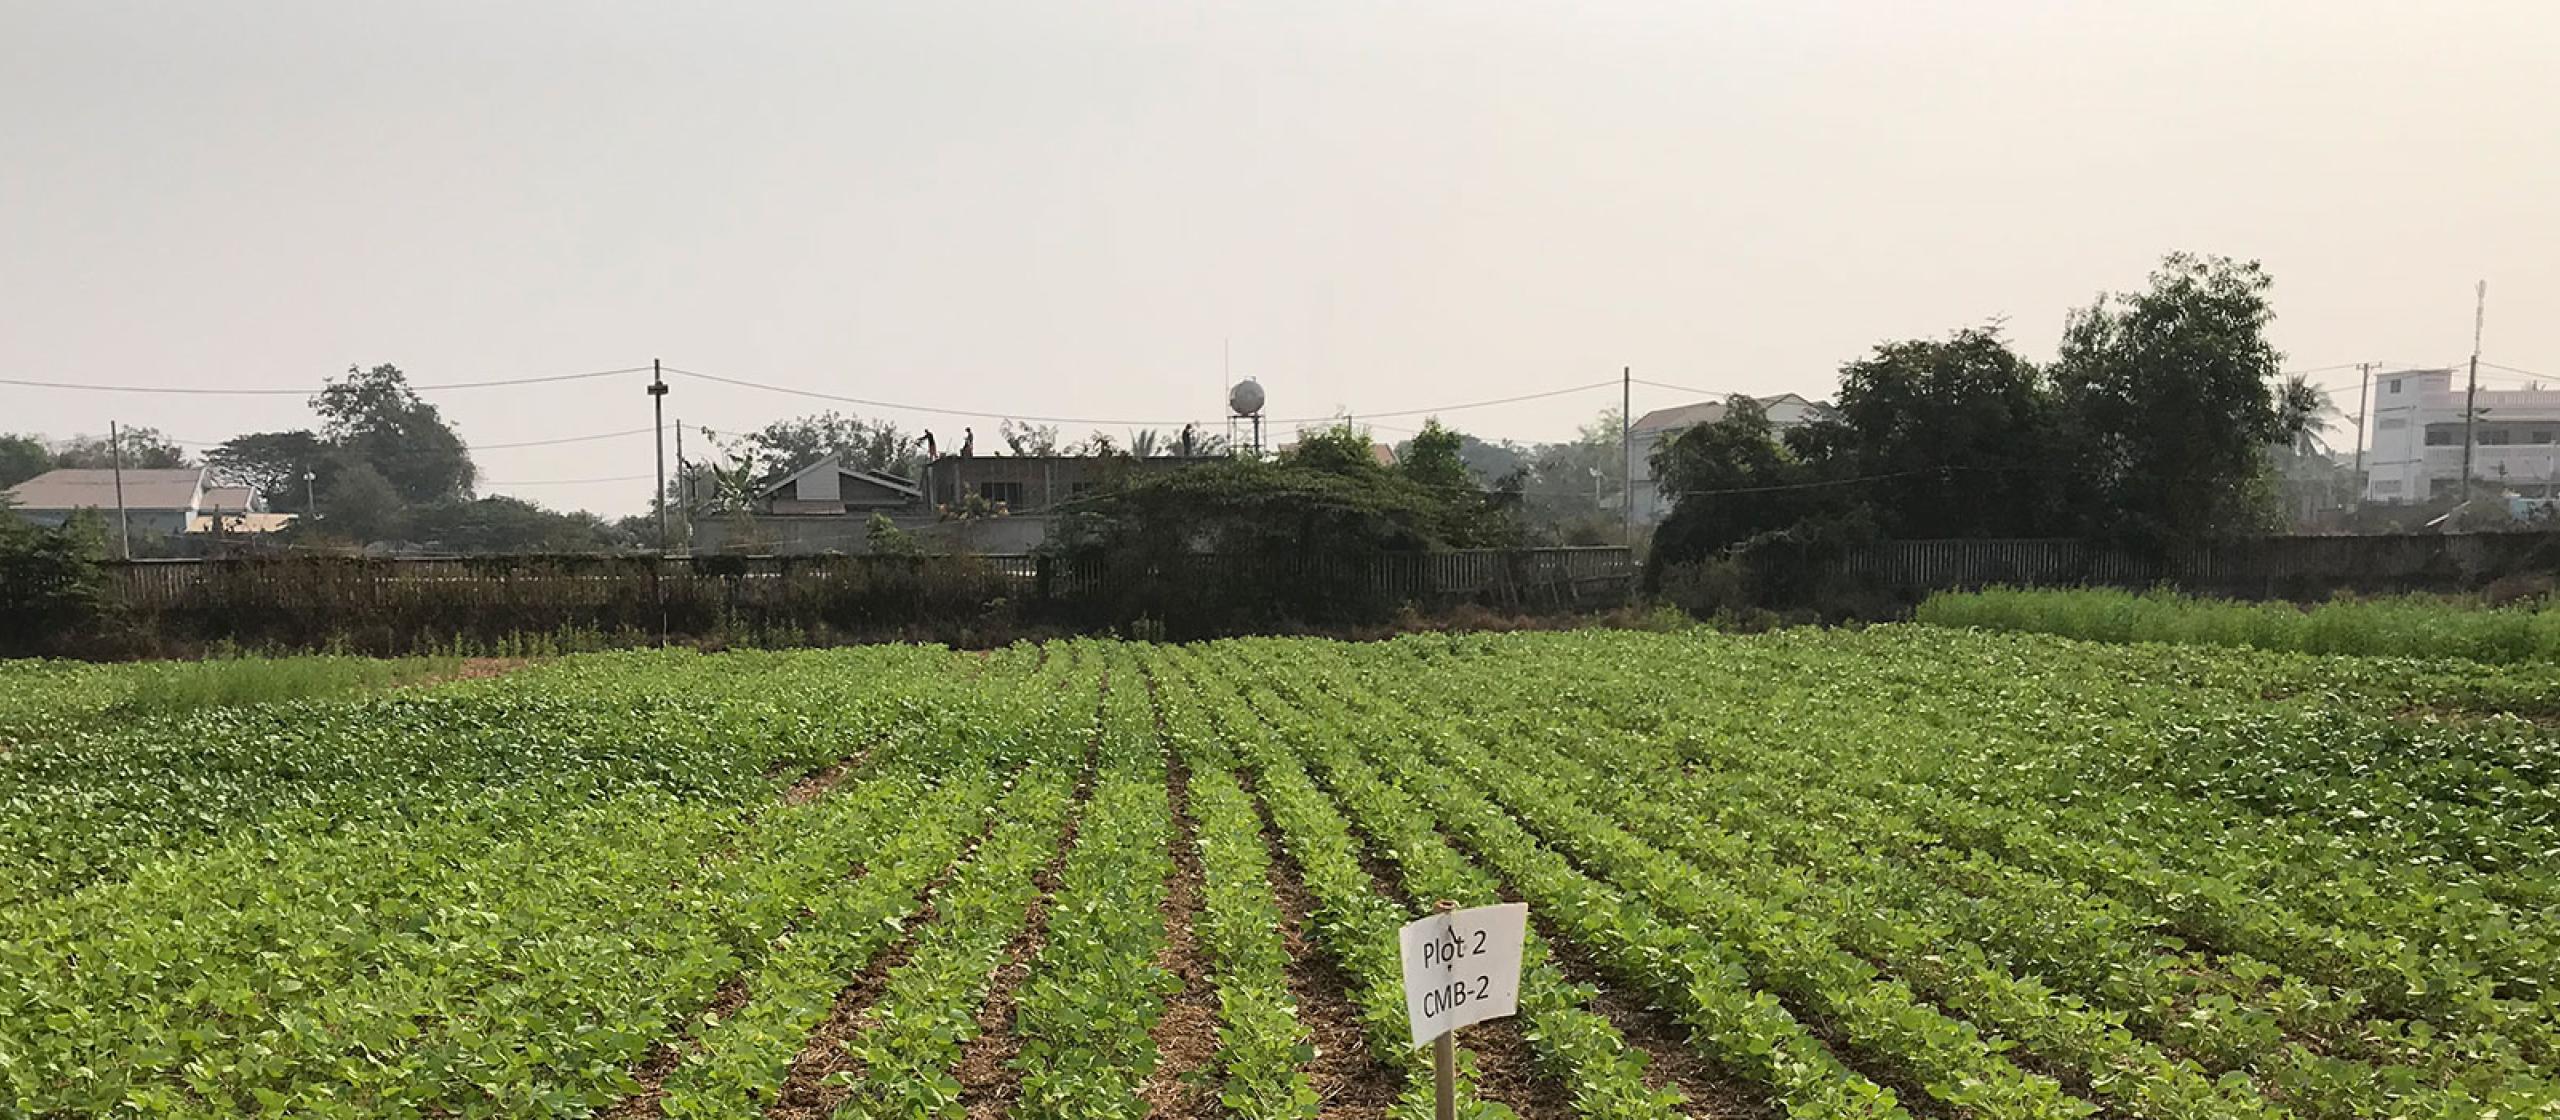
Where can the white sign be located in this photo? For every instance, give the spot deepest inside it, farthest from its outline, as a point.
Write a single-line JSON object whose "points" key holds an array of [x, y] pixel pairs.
{"points": [[1462, 967]]}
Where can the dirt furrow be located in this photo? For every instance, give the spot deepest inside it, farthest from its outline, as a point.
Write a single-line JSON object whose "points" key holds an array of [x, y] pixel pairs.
{"points": [[649, 1099], [1671, 1062], [1350, 1084], [652, 1072], [810, 1090], [988, 1082], [1186, 1038]]}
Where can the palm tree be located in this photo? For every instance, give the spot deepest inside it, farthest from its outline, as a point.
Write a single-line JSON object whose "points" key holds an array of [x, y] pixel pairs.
{"points": [[2304, 413]]}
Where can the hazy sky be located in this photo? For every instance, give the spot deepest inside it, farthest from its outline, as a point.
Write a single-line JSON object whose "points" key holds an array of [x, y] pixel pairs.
{"points": [[1068, 208]]}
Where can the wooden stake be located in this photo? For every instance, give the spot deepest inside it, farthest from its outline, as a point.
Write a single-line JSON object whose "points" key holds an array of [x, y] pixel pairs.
{"points": [[1444, 1061]]}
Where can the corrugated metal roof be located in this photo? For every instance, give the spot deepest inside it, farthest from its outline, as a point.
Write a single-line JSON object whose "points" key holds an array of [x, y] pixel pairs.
{"points": [[229, 499], [1708, 412], [96, 489]]}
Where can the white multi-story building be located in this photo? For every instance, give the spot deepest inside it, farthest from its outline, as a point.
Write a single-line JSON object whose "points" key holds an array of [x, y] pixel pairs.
{"points": [[2416, 453]]}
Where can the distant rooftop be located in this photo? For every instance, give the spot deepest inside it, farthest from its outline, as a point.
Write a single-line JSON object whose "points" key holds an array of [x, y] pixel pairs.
{"points": [[73, 488], [1708, 412]]}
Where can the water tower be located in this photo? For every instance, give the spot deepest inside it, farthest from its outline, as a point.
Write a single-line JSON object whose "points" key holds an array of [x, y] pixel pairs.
{"points": [[1244, 402]]}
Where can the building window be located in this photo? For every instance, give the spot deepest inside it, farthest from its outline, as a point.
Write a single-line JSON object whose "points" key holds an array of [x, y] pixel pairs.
{"points": [[2545, 435], [2439, 487], [2395, 384], [2386, 486], [1005, 493], [2496, 437], [2393, 423], [2441, 437]]}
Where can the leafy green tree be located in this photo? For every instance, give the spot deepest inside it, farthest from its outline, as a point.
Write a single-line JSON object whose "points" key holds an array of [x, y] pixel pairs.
{"points": [[1338, 450], [1568, 492], [1029, 439], [1958, 437], [22, 458], [372, 416], [1435, 458], [784, 446], [2168, 396], [885, 538], [502, 524], [52, 582], [144, 449], [272, 464], [1733, 480], [361, 505]]}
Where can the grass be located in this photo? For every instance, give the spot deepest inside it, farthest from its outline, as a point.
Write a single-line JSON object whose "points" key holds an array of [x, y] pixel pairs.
{"points": [[2403, 626], [184, 686]]}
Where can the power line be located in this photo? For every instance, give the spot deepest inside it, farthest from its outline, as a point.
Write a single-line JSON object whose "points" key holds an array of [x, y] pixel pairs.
{"points": [[868, 402], [428, 387], [566, 481], [561, 440], [1681, 388], [474, 447], [1364, 414]]}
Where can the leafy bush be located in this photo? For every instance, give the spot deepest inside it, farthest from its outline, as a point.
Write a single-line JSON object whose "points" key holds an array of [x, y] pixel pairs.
{"points": [[52, 581]]}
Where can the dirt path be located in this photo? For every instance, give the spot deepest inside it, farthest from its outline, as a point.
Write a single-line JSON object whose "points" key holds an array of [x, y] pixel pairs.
{"points": [[649, 1100], [988, 1082], [1349, 1083], [1186, 1037], [1670, 1061], [810, 1090]]}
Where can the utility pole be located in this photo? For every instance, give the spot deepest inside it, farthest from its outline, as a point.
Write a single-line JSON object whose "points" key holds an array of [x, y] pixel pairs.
{"points": [[658, 430], [2364, 412], [115, 458], [1627, 448], [2471, 394], [684, 499]]}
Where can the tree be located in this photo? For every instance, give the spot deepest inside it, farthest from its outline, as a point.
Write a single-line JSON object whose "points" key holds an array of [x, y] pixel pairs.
{"points": [[1732, 480], [52, 582], [360, 504], [2168, 399], [1958, 437], [144, 449], [1099, 444], [1029, 439], [885, 538], [22, 458], [272, 464], [1568, 492], [1338, 450], [1435, 458], [372, 416], [501, 524], [785, 446], [2304, 414]]}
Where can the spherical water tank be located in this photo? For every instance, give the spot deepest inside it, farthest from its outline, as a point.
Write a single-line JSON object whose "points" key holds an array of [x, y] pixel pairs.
{"points": [[1246, 398]]}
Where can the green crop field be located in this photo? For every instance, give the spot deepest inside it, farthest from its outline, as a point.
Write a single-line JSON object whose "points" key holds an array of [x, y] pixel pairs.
{"points": [[1907, 871]]}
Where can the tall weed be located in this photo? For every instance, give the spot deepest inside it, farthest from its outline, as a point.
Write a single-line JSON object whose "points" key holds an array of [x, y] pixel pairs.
{"points": [[2402, 626]]}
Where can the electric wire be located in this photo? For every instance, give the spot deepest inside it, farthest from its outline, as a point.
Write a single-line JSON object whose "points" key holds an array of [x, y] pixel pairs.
{"points": [[236, 391]]}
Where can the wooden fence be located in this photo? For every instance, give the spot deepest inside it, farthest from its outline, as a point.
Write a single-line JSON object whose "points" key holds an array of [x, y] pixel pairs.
{"points": [[1518, 574], [399, 604], [2268, 567]]}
